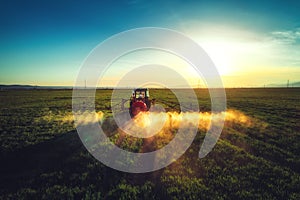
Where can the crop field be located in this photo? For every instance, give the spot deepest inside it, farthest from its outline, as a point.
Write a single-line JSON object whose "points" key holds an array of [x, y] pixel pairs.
{"points": [[256, 157]]}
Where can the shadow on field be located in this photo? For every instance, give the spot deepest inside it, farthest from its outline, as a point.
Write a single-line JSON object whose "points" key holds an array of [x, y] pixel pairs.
{"points": [[63, 154], [30, 161]]}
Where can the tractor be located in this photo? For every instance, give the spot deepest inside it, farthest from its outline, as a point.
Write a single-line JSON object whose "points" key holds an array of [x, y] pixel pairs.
{"points": [[140, 101]]}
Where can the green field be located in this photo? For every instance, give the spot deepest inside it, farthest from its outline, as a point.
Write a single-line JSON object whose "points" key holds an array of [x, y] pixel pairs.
{"points": [[42, 156]]}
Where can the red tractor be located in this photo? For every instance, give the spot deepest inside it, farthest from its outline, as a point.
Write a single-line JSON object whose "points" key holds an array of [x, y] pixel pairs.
{"points": [[139, 101]]}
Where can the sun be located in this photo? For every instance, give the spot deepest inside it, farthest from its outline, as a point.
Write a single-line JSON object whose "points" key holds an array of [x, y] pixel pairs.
{"points": [[221, 54]]}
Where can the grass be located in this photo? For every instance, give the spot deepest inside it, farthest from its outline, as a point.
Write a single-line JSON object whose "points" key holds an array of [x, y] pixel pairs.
{"points": [[42, 156]]}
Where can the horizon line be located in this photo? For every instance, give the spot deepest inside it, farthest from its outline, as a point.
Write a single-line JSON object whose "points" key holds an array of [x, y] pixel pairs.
{"points": [[20, 86]]}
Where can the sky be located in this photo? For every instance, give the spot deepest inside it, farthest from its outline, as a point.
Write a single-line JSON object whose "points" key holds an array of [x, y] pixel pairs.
{"points": [[252, 43]]}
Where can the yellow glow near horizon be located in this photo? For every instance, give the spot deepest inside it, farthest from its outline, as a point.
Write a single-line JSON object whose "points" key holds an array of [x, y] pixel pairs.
{"points": [[243, 59], [233, 50], [231, 56]]}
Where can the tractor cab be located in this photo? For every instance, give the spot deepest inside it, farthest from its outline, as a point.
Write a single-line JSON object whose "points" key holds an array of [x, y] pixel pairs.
{"points": [[140, 93], [139, 101]]}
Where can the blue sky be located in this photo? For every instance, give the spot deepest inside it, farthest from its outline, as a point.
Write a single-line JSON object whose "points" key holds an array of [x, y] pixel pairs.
{"points": [[253, 42]]}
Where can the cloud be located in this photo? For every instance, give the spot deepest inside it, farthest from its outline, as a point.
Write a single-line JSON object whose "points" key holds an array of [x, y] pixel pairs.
{"points": [[286, 36], [287, 45]]}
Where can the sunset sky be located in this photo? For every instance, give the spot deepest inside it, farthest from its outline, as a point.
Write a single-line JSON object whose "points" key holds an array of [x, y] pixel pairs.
{"points": [[252, 43]]}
